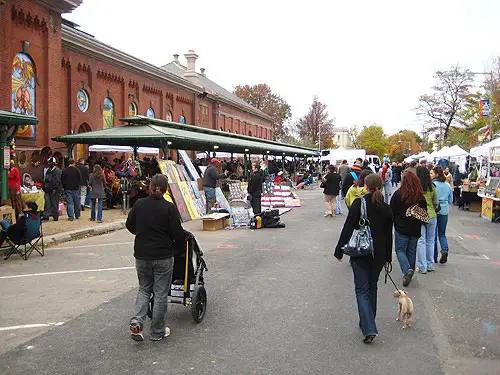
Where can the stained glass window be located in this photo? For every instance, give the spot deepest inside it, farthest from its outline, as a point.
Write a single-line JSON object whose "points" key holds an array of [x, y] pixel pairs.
{"points": [[150, 113], [132, 109], [108, 114], [82, 100], [23, 92]]}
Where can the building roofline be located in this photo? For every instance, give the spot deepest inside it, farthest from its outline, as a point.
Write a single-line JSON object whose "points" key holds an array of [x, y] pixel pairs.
{"points": [[81, 42]]}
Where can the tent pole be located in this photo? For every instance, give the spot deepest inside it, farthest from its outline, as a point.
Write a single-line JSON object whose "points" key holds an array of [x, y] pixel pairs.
{"points": [[245, 165], [135, 152]]}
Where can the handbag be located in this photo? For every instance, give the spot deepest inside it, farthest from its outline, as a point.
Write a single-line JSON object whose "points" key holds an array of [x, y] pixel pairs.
{"points": [[361, 243], [418, 213]]}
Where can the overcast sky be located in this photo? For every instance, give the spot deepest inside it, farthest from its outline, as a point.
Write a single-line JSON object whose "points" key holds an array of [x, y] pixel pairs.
{"points": [[367, 60]]}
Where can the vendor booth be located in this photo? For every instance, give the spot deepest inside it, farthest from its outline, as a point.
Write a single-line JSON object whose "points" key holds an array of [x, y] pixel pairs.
{"points": [[184, 176]]}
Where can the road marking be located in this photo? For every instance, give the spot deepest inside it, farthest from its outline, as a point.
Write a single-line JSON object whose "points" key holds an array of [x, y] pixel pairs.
{"points": [[27, 326], [96, 245], [66, 272]]}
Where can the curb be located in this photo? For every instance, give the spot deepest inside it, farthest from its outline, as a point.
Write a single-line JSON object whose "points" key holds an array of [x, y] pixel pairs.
{"points": [[59, 238]]}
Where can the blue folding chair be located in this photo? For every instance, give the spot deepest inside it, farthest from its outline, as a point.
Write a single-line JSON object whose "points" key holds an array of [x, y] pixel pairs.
{"points": [[31, 241]]}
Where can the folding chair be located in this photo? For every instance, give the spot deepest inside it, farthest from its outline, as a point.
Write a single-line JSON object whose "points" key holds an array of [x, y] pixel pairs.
{"points": [[33, 238]]}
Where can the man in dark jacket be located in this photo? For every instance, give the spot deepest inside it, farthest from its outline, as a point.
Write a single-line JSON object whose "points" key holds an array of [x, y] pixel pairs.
{"points": [[52, 188], [157, 227], [84, 181], [255, 189], [210, 181], [70, 179], [352, 176]]}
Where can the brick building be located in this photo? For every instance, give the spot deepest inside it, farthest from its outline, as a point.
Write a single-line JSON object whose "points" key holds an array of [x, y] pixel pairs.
{"points": [[73, 83]]}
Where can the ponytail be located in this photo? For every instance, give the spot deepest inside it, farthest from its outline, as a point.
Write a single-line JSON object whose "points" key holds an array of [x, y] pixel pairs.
{"points": [[377, 197], [373, 183]]}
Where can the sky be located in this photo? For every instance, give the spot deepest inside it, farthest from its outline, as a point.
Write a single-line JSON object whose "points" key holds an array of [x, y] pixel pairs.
{"points": [[369, 61]]}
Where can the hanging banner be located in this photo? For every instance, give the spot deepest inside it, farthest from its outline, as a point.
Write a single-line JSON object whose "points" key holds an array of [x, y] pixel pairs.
{"points": [[6, 157], [484, 108]]}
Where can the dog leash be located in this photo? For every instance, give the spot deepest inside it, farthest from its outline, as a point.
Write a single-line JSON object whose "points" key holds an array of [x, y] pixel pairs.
{"points": [[388, 270]]}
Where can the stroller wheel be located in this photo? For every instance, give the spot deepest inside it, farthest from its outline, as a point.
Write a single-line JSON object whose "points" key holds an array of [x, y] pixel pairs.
{"points": [[199, 305]]}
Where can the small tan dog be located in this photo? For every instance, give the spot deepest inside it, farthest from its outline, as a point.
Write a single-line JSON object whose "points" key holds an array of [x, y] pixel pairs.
{"points": [[405, 308]]}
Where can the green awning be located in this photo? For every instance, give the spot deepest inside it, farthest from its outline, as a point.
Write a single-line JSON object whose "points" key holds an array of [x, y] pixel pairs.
{"points": [[147, 132], [11, 118]]}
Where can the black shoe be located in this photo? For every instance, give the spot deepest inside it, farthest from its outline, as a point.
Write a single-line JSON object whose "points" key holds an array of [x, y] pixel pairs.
{"points": [[369, 339], [56, 218], [82, 207], [444, 257], [407, 277], [45, 218]]}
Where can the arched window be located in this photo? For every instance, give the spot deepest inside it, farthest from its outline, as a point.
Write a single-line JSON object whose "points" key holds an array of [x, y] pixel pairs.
{"points": [[150, 113], [132, 109], [169, 116], [23, 92], [108, 113], [250, 133]]}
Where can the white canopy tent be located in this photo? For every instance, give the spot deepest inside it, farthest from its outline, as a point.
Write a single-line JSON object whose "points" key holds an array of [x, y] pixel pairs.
{"points": [[126, 149], [484, 150]]}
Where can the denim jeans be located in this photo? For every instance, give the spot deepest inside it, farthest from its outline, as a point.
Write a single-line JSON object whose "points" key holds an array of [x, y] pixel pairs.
{"points": [[406, 251], [338, 204], [155, 276], [425, 247], [99, 209], [73, 203], [3, 233], [442, 222], [210, 197], [387, 191], [87, 197], [365, 286], [83, 195]]}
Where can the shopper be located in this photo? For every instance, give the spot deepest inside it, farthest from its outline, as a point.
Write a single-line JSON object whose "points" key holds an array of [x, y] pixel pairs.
{"points": [[352, 176], [407, 229], [425, 246], [14, 185], [386, 175], [449, 177], [367, 269], [445, 196], [255, 189], [344, 170], [210, 182], [70, 179], [84, 181], [52, 188], [331, 187], [97, 182], [357, 190], [157, 227]]}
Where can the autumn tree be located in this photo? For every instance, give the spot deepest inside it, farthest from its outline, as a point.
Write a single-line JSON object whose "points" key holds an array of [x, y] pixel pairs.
{"points": [[261, 97], [315, 124], [403, 144], [442, 108], [373, 140]]}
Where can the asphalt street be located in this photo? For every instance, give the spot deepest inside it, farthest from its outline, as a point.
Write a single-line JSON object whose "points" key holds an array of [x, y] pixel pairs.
{"points": [[278, 303]]}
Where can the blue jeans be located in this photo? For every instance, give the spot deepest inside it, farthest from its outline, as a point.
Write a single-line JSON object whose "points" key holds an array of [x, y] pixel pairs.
{"points": [[406, 251], [87, 197], [73, 203], [155, 276], [387, 191], [442, 222], [365, 286], [210, 197], [99, 209], [338, 205], [425, 247], [3, 233]]}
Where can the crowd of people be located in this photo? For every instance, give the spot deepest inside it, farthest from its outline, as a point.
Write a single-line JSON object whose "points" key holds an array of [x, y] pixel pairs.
{"points": [[415, 214]]}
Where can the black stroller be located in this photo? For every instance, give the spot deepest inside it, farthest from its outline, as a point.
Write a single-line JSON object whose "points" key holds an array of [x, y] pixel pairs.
{"points": [[188, 286]]}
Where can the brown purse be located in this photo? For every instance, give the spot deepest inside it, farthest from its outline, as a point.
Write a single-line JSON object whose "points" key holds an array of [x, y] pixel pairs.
{"points": [[418, 213]]}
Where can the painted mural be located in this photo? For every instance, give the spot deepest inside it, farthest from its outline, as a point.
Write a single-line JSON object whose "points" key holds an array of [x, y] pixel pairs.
{"points": [[108, 114], [23, 92], [132, 109], [150, 113]]}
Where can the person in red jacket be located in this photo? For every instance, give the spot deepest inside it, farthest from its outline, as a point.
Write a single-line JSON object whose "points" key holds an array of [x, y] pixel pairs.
{"points": [[14, 184]]}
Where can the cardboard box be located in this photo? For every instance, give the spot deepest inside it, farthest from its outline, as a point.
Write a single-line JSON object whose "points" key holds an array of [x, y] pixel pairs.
{"points": [[215, 221]]}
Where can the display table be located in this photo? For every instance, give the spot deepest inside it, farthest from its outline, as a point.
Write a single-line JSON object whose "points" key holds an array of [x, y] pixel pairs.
{"points": [[215, 221], [38, 198], [490, 207], [469, 200]]}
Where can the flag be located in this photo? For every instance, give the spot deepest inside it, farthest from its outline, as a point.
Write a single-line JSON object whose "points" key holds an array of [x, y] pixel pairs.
{"points": [[484, 108], [487, 132]]}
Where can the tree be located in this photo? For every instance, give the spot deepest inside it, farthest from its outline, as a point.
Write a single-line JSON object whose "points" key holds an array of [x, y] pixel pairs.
{"points": [[261, 97], [442, 108], [316, 123], [403, 144], [373, 140]]}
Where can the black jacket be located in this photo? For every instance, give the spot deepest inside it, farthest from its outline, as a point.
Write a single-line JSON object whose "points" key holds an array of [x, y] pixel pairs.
{"points": [[84, 173], [157, 226], [211, 176], [70, 178], [52, 180], [332, 184], [255, 182], [407, 226], [380, 218]]}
